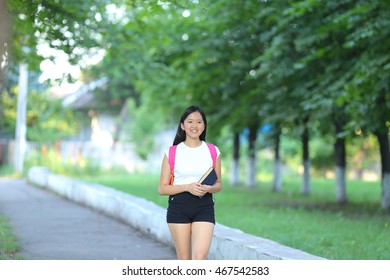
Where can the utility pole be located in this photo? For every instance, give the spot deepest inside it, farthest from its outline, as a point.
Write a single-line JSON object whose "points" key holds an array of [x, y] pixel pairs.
{"points": [[21, 129]]}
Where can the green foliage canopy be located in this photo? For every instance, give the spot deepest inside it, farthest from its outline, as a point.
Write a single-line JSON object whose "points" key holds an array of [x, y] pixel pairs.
{"points": [[47, 120]]}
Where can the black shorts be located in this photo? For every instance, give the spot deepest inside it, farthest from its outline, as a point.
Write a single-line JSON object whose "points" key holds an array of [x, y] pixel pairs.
{"points": [[186, 208]]}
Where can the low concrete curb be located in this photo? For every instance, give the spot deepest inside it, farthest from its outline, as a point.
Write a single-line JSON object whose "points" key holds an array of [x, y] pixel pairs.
{"points": [[228, 243]]}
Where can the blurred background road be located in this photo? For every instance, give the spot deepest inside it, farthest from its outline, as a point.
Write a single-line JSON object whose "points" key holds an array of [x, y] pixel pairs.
{"points": [[49, 227]]}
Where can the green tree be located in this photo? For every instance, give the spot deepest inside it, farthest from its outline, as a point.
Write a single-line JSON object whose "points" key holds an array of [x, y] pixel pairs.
{"points": [[73, 27], [47, 120], [342, 47], [142, 127]]}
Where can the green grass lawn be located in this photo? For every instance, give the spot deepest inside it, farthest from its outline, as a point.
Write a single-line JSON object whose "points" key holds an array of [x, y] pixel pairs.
{"points": [[314, 223], [9, 245]]}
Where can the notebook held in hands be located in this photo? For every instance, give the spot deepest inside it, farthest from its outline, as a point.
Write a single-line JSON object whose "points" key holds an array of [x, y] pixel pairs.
{"points": [[209, 178]]}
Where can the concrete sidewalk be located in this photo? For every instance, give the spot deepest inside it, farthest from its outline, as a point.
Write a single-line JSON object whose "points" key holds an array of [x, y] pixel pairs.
{"points": [[49, 227]]}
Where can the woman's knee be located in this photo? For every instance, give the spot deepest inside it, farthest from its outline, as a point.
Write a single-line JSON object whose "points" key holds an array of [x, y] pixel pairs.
{"points": [[183, 255], [200, 256]]}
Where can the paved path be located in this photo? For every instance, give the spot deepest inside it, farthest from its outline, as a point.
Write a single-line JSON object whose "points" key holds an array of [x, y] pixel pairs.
{"points": [[49, 227]]}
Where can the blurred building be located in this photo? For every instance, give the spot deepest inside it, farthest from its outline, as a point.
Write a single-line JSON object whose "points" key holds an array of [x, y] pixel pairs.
{"points": [[96, 139]]}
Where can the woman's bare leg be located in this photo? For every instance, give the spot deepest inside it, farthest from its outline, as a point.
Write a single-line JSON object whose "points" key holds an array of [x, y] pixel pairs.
{"points": [[202, 235], [181, 235]]}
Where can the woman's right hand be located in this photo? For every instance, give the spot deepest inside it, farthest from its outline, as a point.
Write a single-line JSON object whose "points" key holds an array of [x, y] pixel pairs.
{"points": [[197, 189]]}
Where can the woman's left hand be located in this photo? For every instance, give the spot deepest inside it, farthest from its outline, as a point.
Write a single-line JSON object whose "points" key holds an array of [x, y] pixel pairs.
{"points": [[204, 188], [200, 190]]}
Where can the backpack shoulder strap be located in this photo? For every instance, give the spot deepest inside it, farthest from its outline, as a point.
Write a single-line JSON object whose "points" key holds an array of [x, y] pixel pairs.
{"points": [[171, 156], [213, 152], [171, 161]]}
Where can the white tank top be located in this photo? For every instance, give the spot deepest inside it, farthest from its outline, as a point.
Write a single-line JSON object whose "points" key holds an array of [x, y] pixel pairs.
{"points": [[191, 163]]}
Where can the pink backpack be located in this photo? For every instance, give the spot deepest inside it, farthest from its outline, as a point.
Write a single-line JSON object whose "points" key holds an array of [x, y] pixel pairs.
{"points": [[172, 156]]}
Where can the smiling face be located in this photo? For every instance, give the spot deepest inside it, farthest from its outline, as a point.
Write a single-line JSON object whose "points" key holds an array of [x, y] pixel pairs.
{"points": [[193, 125]]}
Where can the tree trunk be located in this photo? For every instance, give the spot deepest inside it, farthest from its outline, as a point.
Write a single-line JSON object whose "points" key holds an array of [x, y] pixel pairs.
{"points": [[340, 160], [235, 168], [358, 159], [123, 116], [277, 184], [306, 187], [251, 166], [384, 148]]}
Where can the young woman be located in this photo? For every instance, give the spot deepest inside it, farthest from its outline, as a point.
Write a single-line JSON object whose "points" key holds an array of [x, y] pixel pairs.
{"points": [[190, 214]]}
